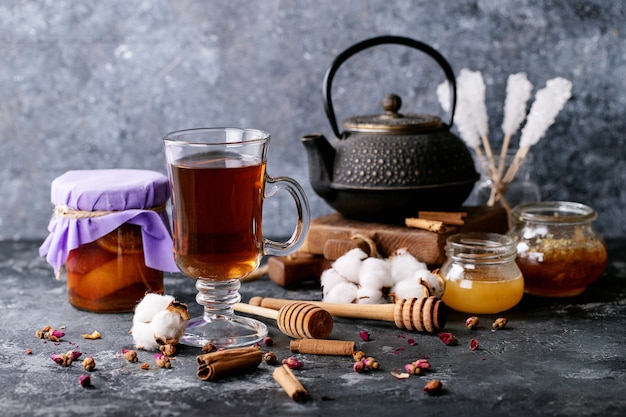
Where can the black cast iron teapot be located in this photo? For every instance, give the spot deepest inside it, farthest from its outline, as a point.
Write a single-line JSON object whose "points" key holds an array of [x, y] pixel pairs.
{"points": [[388, 167]]}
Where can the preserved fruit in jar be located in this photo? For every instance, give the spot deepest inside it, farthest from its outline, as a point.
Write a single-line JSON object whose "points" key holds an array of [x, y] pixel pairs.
{"points": [[558, 250]]}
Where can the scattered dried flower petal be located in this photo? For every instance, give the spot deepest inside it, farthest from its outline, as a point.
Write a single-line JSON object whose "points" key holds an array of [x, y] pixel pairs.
{"points": [[268, 341], [499, 323], [89, 363], [473, 344], [364, 335], [471, 322], [84, 381], [411, 342], [29, 351], [94, 335], [400, 375], [448, 338], [145, 366], [293, 363], [433, 387]]}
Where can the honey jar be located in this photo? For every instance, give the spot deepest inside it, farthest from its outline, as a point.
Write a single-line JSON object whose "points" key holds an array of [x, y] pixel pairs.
{"points": [[111, 231], [480, 273], [558, 249]]}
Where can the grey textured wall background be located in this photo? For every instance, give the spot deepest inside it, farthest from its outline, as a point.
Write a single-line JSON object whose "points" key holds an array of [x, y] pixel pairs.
{"points": [[96, 84]]}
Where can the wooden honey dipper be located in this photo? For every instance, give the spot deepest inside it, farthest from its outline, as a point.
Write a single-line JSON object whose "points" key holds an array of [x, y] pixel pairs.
{"points": [[300, 320], [424, 314]]}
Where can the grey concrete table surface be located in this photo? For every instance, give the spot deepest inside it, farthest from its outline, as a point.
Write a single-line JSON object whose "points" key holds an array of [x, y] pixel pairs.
{"points": [[557, 357]]}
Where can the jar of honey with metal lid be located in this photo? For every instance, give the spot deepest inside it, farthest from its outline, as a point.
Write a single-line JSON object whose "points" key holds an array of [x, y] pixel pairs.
{"points": [[558, 249], [111, 231]]}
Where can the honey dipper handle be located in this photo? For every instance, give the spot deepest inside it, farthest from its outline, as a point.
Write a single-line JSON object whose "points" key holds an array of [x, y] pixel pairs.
{"points": [[256, 310], [382, 312]]}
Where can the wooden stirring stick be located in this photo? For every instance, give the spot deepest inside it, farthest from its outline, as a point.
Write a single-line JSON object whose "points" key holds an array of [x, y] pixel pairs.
{"points": [[299, 320], [425, 314]]}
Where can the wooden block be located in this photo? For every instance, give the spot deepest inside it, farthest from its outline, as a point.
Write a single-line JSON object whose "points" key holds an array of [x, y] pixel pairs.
{"points": [[296, 269], [425, 245]]}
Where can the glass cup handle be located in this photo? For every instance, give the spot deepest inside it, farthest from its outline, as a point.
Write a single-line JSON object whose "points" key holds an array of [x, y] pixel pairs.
{"points": [[272, 186]]}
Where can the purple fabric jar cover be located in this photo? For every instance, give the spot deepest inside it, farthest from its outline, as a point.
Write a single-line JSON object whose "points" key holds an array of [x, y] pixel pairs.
{"points": [[131, 195]]}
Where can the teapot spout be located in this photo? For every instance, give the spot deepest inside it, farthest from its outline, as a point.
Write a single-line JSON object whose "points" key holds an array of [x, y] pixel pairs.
{"points": [[321, 157]]}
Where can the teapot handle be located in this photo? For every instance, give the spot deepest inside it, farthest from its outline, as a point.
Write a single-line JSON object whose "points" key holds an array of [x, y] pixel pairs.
{"points": [[368, 43]]}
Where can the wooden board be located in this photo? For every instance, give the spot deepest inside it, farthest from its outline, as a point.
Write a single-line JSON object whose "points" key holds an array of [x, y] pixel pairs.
{"points": [[332, 235]]}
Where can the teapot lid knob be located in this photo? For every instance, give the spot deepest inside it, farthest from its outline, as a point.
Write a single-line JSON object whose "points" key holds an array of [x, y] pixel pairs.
{"points": [[391, 104]]}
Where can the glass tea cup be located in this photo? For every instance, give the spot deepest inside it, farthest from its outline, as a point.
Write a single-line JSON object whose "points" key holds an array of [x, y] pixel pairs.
{"points": [[218, 182]]}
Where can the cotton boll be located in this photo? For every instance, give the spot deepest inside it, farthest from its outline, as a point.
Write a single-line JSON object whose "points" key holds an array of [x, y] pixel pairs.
{"points": [[408, 288], [168, 326], [435, 284], [151, 304], [143, 336], [344, 292], [329, 279], [369, 296], [349, 263], [375, 273], [404, 265]]}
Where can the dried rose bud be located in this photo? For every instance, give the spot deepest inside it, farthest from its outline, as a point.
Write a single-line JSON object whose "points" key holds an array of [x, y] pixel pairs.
{"points": [[270, 358], [208, 348], [89, 363], [84, 381], [162, 361], [55, 335], [61, 359], [293, 363], [411, 369], [73, 354], [364, 335], [471, 322], [130, 355], [422, 363], [473, 344], [433, 387], [448, 339], [358, 355], [145, 366], [29, 351], [359, 367], [371, 363], [268, 341], [168, 350], [499, 323]]}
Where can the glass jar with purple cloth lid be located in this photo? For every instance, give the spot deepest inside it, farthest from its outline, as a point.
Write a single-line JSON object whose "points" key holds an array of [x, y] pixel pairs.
{"points": [[110, 229]]}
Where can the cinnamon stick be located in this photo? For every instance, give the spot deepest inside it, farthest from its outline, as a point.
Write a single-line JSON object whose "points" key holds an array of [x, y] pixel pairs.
{"points": [[294, 389], [425, 224], [454, 218], [323, 347], [225, 363]]}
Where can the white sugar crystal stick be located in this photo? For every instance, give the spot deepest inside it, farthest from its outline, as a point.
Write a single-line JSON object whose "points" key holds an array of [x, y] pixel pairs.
{"points": [[471, 87], [549, 101]]}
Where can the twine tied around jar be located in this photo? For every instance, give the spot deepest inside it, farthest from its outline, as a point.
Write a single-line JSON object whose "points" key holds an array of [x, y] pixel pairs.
{"points": [[65, 212]]}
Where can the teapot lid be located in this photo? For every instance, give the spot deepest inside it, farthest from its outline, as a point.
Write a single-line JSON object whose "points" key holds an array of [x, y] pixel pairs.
{"points": [[392, 121]]}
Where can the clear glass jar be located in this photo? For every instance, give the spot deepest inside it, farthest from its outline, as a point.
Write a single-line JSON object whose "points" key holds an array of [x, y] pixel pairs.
{"points": [[558, 250], [110, 274], [522, 189], [481, 274]]}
